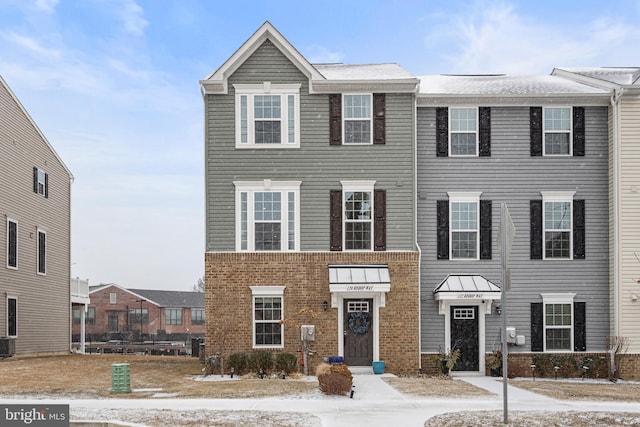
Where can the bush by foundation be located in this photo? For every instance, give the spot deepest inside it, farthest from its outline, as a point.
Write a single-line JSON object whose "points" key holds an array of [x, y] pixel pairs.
{"points": [[334, 379]]}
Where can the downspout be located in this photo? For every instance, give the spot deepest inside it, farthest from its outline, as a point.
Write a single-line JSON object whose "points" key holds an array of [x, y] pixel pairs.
{"points": [[415, 226], [615, 100]]}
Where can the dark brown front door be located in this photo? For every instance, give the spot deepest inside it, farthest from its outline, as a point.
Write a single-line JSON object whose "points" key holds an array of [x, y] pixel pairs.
{"points": [[464, 336], [358, 332]]}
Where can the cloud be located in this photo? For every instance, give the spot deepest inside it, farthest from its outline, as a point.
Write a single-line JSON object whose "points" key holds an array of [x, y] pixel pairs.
{"points": [[32, 45], [47, 6], [132, 16], [497, 38]]}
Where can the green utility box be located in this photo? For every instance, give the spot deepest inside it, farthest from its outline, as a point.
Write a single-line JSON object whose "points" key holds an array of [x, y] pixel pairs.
{"points": [[120, 378]]}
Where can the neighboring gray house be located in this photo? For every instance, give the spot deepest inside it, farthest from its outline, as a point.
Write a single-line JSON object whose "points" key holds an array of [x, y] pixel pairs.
{"points": [[540, 145], [35, 200], [310, 213]]}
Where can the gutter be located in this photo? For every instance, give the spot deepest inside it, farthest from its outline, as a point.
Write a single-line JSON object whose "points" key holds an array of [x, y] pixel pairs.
{"points": [[415, 226]]}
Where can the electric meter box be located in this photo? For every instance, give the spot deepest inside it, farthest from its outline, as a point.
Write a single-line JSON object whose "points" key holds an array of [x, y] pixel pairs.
{"points": [[308, 332], [511, 335]]}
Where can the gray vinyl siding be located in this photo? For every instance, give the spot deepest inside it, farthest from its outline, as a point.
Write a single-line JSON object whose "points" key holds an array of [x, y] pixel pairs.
{"points": [[318, 165], [43, 300], [511, 175]]}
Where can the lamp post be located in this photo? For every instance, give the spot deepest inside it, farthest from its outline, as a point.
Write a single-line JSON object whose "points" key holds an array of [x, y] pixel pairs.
{"points": [[141, 300]]}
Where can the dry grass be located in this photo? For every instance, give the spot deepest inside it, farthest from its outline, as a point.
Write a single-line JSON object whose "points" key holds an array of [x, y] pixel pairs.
{"points": [[441, 386], [577, 390], [90, 376]]}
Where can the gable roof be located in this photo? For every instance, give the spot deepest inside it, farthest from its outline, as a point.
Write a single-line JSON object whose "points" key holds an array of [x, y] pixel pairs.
{"points": [[323, 78], [171, 299], [37, 129], [621, 76]]}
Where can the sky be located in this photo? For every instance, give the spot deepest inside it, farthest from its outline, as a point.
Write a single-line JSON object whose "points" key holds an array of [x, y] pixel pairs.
{"points": [[113, 85]]}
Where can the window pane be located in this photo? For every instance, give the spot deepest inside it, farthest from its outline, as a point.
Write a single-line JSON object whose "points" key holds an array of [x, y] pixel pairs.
{"points": [[291, 119], [557, 244], [267, 107], [42, 252], [463, 119], [243, 119], [463, 144], [558, 314], [558, 339], [558, 119], [268, 236], [557, 215], [357, 205], [292, 219], [243, 221], [357, 235], [357, 131], [12, 316], [268, 132], [464, 216], [268, 313], [357, 106], [556, 143], [464, 244], [12, 255]]}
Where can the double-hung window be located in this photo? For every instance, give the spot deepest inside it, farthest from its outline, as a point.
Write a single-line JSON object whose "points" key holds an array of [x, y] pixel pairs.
{"points": [[12, 316], [464, 230], [463, 131], [268, 330], [42, 252], [197, 316], [267, 215], [267, 115], [558, 227], [558, 321], [12, 243], [357, 116], [173, 316], [557, 131], [358, 214]]}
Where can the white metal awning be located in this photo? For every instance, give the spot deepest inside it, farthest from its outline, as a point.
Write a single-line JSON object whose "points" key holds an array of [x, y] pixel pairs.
{"points": [[466, 287], [353, 278]]}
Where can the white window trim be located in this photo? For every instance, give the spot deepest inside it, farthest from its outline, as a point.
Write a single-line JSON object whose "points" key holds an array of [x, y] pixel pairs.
{"points": [[557, 298], [544, 132], [46, 244], [476, 131], [261, 292], [471, 197], [557, 196], [9, 219], [267, 88], [344, 119], [172, 310], [358, 186], [6, 319], [251, 187]]}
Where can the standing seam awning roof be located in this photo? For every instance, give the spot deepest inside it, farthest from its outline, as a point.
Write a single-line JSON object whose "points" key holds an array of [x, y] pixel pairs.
{"points": [[359, 275], [466, 283]]}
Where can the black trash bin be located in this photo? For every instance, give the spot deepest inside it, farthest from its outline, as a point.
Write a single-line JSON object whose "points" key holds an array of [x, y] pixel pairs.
{"points": [[195, 346]]}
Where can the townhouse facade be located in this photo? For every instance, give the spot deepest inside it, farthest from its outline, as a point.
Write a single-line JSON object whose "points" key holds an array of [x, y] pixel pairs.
{"points": [[305, 225], [35, 200], [118, 313], [540, 145], [367, 202], [624, 175]]}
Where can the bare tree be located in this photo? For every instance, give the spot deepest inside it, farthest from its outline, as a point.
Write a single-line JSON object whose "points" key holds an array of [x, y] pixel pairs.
{"points": [[616, 347], [199, 287]]}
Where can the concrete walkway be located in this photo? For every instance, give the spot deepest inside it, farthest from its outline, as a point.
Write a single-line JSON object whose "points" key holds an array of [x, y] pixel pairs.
{"points": [[374, 403]]}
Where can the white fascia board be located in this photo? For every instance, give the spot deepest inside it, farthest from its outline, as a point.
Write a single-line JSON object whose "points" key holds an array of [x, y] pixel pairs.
{"points": [[374, 86]]}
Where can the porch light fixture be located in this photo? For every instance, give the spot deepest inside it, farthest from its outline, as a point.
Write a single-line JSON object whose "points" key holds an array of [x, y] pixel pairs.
{"points": [[325, 305], [499, 310]]}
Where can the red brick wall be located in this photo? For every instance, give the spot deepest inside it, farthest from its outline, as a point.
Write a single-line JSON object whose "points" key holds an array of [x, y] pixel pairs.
{"points": [[305, 275], [125, 301]]}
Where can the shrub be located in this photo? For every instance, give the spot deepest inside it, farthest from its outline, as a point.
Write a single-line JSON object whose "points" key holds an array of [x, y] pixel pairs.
{"points": [[286, 362], [334, 379], [260, 360], [239, 363]]}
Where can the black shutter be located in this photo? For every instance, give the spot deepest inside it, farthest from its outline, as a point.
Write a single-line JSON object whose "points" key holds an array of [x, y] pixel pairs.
{"points": [[536, 229], [579, 326], [379, 129], [12, 256], [535, 123], [335, 220], [335, 119], [485, 132], [537, 327], [46, 185], [35, 179], [443, 229], [578, 230], [442, 131], [379, 220], [578, 131], [485, 229]]}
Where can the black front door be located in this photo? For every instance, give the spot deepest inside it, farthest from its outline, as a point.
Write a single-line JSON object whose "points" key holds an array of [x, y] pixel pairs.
{"points": [[358, 332], [464, 336]]}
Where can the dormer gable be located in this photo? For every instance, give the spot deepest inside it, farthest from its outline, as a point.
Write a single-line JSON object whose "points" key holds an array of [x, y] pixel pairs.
{"points": [[217, 82]]}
